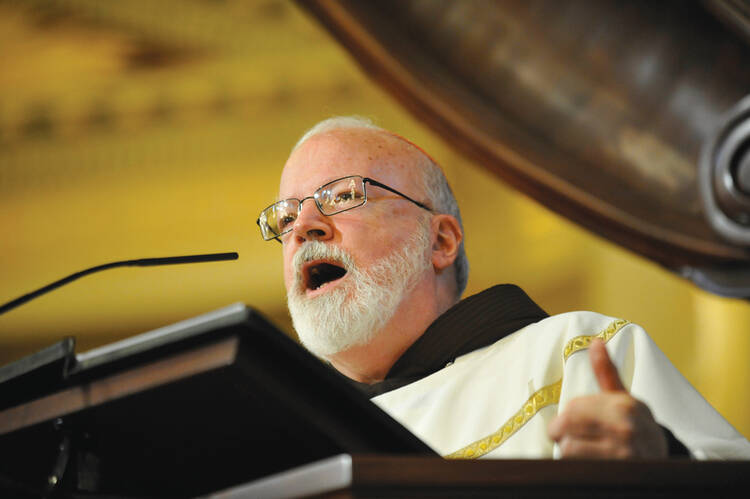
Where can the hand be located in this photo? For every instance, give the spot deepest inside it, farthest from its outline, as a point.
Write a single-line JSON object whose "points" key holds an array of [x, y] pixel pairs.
{"points": [[609, 425]]}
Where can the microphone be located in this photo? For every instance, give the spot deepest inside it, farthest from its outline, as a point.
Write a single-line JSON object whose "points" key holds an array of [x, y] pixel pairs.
{"points": [[142, 262]]}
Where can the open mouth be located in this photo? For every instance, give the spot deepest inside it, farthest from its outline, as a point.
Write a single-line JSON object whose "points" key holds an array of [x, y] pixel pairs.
{"points": [[320, 273]]}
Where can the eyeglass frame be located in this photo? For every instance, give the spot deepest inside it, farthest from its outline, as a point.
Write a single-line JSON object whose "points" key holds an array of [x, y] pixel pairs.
{"points": [[365, 181]]}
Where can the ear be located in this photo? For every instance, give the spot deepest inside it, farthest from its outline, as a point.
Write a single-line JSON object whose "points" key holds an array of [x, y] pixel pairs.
{"points": [[447, 239]]}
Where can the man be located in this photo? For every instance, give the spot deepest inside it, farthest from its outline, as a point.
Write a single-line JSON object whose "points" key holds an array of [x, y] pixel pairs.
{"points": [[374, 268]]}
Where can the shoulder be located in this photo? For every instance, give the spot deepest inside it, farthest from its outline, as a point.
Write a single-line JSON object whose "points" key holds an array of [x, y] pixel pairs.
{"points": [[571, 324], [564, 334]]}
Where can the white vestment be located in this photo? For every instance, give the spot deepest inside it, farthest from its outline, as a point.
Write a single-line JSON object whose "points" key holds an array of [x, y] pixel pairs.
{"points": [[496, 402]]}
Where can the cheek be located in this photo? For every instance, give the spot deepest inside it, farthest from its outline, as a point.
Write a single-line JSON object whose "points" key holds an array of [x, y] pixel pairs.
{"points": [[288, 278], [288, 267], [374, 246]]}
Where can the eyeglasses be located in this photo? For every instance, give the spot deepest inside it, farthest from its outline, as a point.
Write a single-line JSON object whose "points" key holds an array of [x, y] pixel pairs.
{"points": [[335, 197]]}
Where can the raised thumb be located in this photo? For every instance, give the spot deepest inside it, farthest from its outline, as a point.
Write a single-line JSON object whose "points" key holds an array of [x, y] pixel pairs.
{"points": [[604, 370]]}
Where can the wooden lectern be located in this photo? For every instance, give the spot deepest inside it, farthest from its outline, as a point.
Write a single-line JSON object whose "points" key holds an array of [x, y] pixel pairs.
{"points": [[224, 405], [401, 477]]}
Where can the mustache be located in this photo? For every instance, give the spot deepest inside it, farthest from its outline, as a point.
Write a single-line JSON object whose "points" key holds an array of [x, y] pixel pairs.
{"points": [[317, 250]]}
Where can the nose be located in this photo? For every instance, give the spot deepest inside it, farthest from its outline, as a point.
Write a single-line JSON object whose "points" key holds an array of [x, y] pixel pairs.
{"points": [[311, 224]]}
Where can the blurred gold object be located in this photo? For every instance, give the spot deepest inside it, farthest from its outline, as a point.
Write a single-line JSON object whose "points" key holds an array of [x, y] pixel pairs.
{"points": [[597, 109]]}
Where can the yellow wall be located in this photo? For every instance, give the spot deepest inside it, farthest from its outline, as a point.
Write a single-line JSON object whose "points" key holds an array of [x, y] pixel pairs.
{"points": [[100, 161]]}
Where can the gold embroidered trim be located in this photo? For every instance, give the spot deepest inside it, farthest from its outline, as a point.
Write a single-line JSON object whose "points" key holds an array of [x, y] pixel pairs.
{"points": [[543, 397], [583, 342], [547, 395]]}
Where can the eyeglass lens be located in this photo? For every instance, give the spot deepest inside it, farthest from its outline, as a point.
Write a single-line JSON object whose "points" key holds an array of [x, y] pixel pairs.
{"points": [[340, 195], [337, 196]]}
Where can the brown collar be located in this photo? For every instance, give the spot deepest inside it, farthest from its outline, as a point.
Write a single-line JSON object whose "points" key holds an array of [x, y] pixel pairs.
{"points": [[472, 323]]}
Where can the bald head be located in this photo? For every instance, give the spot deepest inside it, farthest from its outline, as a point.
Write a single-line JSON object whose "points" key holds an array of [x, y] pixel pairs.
{"points": [[430, 180]]}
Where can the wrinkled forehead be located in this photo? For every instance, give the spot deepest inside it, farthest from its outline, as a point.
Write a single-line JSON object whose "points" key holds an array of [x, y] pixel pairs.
{"points": [[352, 151]]}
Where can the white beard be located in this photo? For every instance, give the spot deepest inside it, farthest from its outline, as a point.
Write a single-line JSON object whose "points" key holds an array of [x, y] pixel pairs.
{"points": [[357, 309]]}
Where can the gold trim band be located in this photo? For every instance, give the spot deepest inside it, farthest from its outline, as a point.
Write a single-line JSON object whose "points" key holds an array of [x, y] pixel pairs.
{"points": [[543, 397], [547, 395], [583, 342]]}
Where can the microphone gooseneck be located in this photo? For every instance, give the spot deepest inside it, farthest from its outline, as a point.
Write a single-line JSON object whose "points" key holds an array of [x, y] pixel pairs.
{"points": [[141, 262]]}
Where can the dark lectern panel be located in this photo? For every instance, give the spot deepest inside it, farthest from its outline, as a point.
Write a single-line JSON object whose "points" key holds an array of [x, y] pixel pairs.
{"points": [[214, 408]]}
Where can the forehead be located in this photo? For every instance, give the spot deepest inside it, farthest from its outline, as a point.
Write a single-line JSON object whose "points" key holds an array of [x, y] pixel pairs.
{"points": [[354, 151]]}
